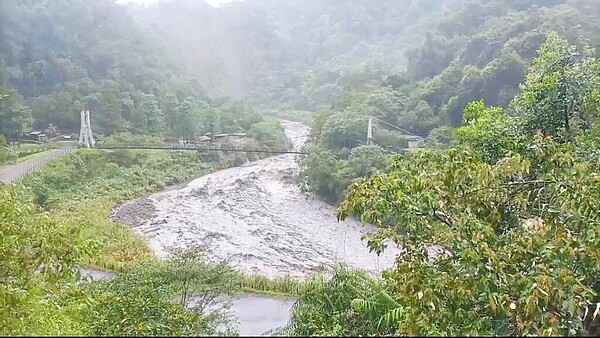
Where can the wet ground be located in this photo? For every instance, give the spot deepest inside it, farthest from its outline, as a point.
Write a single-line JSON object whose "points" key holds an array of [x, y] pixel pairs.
{"points": [[258, 314]]}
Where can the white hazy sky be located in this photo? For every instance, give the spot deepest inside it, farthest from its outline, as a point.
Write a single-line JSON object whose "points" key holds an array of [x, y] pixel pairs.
{"points": [[147, 2]]}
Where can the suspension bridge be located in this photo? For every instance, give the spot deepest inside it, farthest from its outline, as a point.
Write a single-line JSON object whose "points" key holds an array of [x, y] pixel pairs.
{"points": [[199, 147], [86, 139]]}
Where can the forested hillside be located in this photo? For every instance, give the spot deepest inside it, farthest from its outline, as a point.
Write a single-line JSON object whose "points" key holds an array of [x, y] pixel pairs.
{"points": [[303, 54], [500, 231], [497, 219], [60, 56], [480, 51], [135, 67], [292, 54]]}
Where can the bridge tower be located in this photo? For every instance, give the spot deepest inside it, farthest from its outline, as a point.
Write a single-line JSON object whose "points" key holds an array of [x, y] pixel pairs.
{"points": [[370, 131], [86, 137]]}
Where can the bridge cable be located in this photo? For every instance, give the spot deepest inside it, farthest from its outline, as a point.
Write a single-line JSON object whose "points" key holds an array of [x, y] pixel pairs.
{"points": [[104, 118], [396, 127]]}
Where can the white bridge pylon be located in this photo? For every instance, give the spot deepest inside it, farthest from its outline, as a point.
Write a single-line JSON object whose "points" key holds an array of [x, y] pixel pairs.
{"points": [[86, 137], [370, 132]]}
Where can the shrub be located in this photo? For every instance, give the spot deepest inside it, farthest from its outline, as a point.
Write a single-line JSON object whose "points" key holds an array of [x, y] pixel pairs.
{"points": [[178, 297]]}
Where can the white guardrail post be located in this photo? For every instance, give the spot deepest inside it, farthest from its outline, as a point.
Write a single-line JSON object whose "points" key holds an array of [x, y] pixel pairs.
{"points": [[52, 157]]}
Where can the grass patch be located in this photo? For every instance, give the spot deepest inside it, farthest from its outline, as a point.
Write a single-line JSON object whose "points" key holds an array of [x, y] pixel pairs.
{"points": [[82, 188], [26, 147], [25, 152], [286, 286], [32, 156], [114, 247]]}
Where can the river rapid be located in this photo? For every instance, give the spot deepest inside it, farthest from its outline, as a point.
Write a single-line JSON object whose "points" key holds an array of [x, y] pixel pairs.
{"points": [[256, 217]]}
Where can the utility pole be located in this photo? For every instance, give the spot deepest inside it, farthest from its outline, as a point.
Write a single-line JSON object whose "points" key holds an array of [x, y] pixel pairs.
{"points": [[85, 132], [370, 131]]}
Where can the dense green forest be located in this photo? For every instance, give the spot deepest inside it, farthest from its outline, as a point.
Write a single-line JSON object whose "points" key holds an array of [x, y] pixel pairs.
{"points": [[305, 54], [481, 51], [498, 216], [412, 64], [58, 57], [500, 232], [294, 54]]}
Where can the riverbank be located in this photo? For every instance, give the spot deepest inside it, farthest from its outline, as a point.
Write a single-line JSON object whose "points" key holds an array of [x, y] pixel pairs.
{"points": [[253, 314], [80, 190]]}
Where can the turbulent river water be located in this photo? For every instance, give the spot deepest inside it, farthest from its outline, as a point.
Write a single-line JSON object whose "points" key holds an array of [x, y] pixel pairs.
{"points": [[256, 217]]}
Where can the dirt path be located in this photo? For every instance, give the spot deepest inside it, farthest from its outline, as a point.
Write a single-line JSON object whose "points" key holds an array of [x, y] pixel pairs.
{"points": [[11, 173]]}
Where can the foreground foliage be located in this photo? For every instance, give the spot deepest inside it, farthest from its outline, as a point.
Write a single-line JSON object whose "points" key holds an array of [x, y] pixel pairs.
{"points": [[521, 254], [500, 233], [36, 251], [42, 293], [178, 297]]}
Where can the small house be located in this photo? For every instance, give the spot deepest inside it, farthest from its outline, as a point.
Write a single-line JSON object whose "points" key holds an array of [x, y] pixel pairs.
{"points": [[38, 136]]}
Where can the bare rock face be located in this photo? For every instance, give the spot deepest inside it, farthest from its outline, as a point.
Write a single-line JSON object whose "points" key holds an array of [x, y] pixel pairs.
{"points": [[257, 218]]}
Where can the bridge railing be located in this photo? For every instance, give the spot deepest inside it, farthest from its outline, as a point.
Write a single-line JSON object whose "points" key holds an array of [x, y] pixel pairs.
{"points": [[199, 147]]}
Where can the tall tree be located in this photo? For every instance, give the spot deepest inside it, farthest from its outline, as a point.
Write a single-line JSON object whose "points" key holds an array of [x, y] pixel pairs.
{"points": [[208, 118], [154, 119], [188, 119], [561, 91], [16, 121]]}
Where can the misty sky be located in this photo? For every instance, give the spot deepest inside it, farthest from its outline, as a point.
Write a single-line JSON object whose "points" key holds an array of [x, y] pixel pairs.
{"points": [[212, 2]]}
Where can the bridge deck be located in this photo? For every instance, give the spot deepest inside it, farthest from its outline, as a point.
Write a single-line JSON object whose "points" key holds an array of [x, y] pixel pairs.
{"points": [[197, 147]]}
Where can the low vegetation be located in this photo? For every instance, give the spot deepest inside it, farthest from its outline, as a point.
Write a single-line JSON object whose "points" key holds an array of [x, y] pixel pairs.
{"points": [[16, 154], [162, 298], [286, 286]]}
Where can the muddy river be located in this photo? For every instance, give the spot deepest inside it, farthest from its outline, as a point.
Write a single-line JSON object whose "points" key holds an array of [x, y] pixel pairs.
{"points": [[256, 217]]}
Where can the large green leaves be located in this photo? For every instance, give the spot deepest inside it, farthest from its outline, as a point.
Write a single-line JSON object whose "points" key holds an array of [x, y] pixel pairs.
{"points": [[510, 240], [489, 132]]}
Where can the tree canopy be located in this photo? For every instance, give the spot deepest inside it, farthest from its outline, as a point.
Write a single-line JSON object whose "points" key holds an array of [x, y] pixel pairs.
{"points": [[499, 233]]}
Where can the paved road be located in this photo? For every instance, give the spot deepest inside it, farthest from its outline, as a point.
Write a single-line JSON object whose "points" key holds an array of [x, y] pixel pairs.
{"points": [[11, 173]]}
